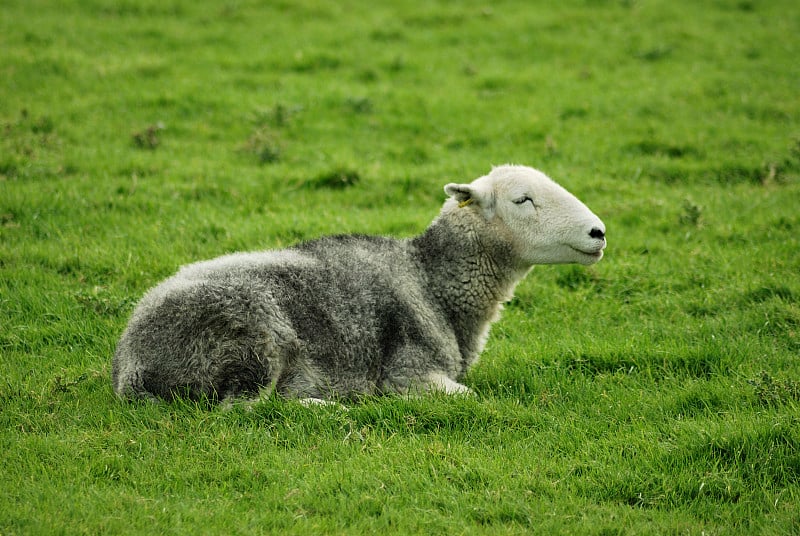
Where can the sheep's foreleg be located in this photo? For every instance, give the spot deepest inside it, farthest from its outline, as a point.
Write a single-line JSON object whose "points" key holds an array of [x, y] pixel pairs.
{"points": [[436, 381]]}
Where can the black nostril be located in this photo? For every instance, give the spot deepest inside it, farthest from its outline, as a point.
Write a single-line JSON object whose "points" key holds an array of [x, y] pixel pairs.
{"points": [[597, 233]]}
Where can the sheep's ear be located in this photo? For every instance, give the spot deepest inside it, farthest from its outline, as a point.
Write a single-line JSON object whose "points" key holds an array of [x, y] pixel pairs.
{"points": [[467, 194], [462, 192]]}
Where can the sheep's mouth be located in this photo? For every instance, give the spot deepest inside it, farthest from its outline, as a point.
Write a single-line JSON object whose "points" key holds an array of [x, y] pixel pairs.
{"points": [[597, 253]]}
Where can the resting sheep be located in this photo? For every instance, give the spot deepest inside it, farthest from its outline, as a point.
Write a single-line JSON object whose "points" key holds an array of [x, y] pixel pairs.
{"points": [[348, 315]]}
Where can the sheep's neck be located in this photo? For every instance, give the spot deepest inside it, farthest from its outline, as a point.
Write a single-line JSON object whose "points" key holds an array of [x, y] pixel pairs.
{"points": [[470, 276]]}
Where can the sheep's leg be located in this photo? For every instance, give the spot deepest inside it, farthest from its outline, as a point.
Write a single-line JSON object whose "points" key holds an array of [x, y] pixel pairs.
{"points": [[248, 403], [312, 402], [436, 381], [416, 369]]}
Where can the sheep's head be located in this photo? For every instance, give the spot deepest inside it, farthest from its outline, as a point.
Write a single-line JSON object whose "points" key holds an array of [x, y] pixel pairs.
{"points": [[544, 223]]}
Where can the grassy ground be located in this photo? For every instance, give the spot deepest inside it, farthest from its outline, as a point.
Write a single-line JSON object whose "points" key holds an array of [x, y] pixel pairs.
{"points": [[656, 392]]}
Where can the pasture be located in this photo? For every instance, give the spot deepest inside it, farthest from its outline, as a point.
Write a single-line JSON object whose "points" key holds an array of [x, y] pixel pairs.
{"points": [[656, 392]]}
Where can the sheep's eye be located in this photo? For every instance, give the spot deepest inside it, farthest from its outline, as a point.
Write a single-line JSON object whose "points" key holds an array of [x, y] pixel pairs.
{"points": [[523, 200]]}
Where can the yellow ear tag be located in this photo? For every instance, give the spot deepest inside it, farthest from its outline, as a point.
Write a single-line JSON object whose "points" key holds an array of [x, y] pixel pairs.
{"points": [[466, 203]]}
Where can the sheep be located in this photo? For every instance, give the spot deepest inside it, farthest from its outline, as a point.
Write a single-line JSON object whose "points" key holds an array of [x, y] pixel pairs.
{"points": [[350, 315]]}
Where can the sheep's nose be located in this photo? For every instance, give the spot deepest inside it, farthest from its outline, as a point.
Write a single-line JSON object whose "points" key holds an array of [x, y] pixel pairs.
{"points": [[596, 232]]}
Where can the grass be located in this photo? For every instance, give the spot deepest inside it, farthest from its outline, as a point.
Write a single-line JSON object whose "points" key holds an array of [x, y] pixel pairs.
{"points": [[656, 392]]}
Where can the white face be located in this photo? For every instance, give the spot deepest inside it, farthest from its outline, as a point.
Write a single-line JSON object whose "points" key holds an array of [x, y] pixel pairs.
{"points": [[545, 223]]}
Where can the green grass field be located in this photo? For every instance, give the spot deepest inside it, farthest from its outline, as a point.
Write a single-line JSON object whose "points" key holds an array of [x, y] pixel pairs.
{"points": [[654, 393]]}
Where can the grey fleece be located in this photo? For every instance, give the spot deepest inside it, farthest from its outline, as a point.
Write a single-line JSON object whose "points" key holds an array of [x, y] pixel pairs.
{"points": [[337, 316]]}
